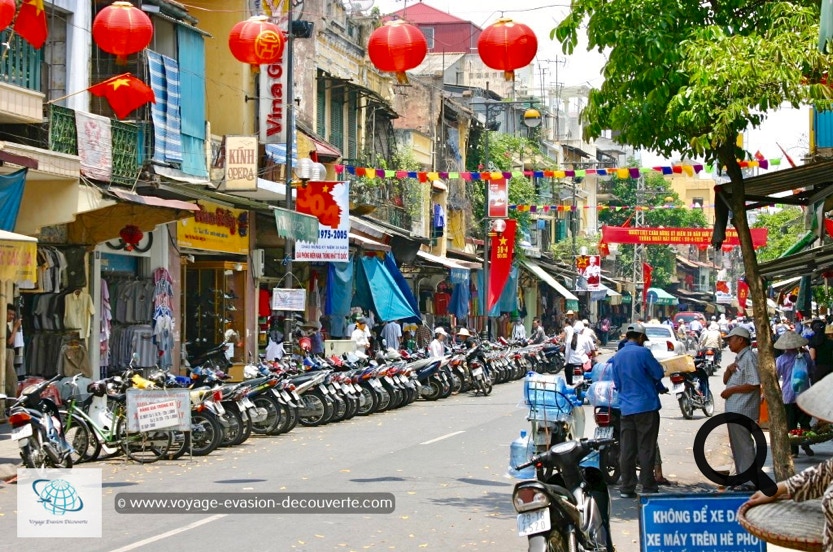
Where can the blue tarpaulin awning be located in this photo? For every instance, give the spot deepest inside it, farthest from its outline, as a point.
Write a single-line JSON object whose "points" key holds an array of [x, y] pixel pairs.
{"points": [[377, 286]]}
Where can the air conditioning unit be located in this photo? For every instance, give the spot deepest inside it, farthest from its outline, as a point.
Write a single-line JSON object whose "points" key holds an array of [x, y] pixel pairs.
{"points": [[258, 263]]}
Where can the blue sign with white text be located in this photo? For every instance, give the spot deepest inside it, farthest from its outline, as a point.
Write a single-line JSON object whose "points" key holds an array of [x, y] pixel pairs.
{"points": [[694, 523]]}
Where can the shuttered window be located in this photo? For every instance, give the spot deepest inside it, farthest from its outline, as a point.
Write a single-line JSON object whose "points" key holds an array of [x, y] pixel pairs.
{"points": [[336, 129], [321, 108]]}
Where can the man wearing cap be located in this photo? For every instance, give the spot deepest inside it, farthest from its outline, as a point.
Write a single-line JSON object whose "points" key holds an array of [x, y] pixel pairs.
{"points": [[436, 349], [742, 395], [637, 376], [815, 481]]}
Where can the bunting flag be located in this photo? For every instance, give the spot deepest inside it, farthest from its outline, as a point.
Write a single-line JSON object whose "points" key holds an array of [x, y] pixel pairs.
{"points": [[31, 23], [124, 93], [647, 271]]}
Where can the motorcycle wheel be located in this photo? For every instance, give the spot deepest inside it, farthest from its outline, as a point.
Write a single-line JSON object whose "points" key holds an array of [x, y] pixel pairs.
{"points": [[432, 390], [686, 407], [268, 402], [246, 430], [446, 389], [708, 409], [235, 427], [456, 383], [370, 402], [487, 388], [206, 433], [384, 400], [610, 463], [320, 409]]}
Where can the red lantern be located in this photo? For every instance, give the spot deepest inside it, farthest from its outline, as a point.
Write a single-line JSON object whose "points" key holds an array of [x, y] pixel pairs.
{"points": [[131, 236], [122, 29], [256, 41], [507, 46], [7, 8], [397, 47]]}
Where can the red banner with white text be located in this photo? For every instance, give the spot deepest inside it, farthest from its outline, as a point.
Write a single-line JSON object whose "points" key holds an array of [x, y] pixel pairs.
{"points": [[648, 235], [500, 261]]}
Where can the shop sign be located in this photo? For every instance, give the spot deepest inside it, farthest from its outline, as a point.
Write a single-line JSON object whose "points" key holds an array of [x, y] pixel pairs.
{"points": [[286, 299], [328, 202], [241, 163], [498, 199], [274, 116], [590, 272], [158, 408], [18, 261], [215, 228]]}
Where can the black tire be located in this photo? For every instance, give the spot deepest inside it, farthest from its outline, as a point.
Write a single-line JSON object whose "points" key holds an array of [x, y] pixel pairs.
{"points": [[686, 407], [144, 447], [456, 383], [206, 433], [292, 413], [180, 444], [384, 400], [234, 430], [609, 463], [268, 402], [708, 410], [85, 446], [446, 388], [283, 419], [371, 401], [247, 430], [339, 407], [352, 406], [319, 410], [432, 390]]}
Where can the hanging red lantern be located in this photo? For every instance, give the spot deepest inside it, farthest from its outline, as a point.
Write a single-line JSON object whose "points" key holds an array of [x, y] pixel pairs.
{"points": [[397, 47], [7, 9], [507, 45], [131, 235], [122, 29], [256, 41]]}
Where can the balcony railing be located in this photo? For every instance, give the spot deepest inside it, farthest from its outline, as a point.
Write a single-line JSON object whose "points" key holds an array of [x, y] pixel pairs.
{"points": [[125, 143], [20, 64]]}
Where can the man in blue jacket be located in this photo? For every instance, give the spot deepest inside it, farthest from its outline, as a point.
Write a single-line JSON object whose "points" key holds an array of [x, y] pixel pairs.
{"points": [[638, 378]]}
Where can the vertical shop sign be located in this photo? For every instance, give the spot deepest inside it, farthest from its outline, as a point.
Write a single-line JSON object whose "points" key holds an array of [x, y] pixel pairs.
{"points": [[215, 228], [500, 259], [241, 164], [498, 198], [274, 116], [329, 202]]}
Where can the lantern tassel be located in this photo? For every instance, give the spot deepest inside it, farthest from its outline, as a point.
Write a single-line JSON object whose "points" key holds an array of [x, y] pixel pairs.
{"points": [[255, 68], [401, 77], [509, 75], [121, 60]]}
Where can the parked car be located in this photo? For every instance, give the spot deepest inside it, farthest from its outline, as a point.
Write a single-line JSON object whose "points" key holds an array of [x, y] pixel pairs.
{"points": [[663, 341], [688, 316]]}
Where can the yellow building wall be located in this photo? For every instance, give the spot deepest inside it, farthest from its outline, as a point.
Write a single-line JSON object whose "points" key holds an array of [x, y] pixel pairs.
{"points": [[689, 188]]}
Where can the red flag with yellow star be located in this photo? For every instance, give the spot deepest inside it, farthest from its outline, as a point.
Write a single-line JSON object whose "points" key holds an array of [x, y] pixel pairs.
{"points": [[31, 23], [500, 262], [124, 93]]}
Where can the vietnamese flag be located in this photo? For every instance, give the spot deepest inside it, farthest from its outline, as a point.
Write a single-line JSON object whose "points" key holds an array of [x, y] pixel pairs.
{"points": [[31, 23], [647, 271], [743, 294], [124, 93]]}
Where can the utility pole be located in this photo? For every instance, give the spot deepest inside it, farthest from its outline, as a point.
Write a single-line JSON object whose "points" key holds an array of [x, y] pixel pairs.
{"points": [[638, 221], [290, 139]]}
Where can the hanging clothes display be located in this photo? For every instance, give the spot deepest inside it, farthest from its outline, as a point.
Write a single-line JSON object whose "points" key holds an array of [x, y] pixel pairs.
{"points": [[73, 359], [438, 222], [78, 310], [163, 317], [106, 325], [52, 266], [133, 309]]}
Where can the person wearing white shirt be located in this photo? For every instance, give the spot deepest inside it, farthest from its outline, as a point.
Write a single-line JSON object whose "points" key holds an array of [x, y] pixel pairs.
{"points": [[392, 334], [696, 326], [518, 330], [436, 349], [359, 336], [578, 349]]}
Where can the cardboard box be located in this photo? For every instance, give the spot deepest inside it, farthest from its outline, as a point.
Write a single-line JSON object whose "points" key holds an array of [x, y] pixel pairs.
{"points": [[680, 363]]}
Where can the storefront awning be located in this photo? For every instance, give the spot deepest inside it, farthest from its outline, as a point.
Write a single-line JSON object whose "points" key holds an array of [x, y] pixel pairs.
{"points": [[377, 286], [442, 261], [549, 280], [146, 212], [658, 296], [367, 243], [327, 153]]}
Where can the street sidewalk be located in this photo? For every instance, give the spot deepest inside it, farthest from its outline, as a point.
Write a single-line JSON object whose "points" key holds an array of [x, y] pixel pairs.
{"points": [[9, 455]]}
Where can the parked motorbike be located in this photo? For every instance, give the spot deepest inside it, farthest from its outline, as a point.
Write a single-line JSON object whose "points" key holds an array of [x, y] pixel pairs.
{"points": [[567, 507], [687, 386], [711, 359], [37, 428]]}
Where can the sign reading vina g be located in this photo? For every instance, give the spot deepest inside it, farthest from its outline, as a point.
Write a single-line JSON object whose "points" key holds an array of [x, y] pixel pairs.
{"points": [[152, 409], [329, 202], [694, 523], [287, 299]]}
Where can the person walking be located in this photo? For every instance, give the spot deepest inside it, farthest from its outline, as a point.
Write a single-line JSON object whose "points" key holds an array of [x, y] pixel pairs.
{"points": [[577, 351], [793, 346], [637, 376], [743, 396], [360, 336], [436, 349], [821, 351]]}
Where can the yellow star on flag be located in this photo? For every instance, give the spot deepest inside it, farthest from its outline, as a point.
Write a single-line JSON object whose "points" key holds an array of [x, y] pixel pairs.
{"points": [[118, 83], [38, 4], [502, 241]]}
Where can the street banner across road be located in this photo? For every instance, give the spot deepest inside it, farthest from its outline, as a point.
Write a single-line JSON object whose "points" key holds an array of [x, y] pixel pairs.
{"points": [[648, 235]]}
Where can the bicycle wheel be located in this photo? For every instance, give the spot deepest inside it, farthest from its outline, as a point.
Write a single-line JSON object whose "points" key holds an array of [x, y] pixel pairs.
{"points": [[82, 439], [144, 447]]}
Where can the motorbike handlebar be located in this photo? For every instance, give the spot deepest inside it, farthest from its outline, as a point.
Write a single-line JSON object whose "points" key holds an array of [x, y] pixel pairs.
{"points": [[542, 458]]}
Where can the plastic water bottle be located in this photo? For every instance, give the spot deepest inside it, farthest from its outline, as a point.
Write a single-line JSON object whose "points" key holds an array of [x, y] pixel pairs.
{"points": [[519, 453]]}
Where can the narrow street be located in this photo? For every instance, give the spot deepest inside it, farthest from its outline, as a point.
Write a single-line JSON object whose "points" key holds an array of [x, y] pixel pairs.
{"points": [[444, 463]]}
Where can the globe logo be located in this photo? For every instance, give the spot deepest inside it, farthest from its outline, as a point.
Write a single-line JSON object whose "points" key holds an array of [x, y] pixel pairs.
{"points": [[58, 497]]}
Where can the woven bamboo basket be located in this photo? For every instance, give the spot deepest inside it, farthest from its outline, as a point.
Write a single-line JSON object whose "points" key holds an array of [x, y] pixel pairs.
{"points": [[796, 525]]}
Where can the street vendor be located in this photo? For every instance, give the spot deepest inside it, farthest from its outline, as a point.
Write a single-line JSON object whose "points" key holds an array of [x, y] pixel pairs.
{"points": [[816, 481]]}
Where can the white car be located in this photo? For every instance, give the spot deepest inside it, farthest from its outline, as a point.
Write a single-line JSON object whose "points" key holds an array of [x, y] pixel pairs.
{"points": [[663, 341]]}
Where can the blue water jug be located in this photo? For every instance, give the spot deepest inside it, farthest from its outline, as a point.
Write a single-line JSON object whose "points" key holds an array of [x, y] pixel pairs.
{"points": [[520, 451]]}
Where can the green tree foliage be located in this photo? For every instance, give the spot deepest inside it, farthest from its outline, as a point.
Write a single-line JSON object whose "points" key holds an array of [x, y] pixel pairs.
{"points": [[785, 227], [688, 77]]}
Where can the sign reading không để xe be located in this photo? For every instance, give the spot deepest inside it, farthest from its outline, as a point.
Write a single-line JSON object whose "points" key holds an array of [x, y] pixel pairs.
{"points": [[649, 235]]}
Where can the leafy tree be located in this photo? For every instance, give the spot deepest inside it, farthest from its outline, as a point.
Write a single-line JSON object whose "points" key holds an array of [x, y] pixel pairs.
{"points": [[784, 229], [664, 208], [688, 77]]}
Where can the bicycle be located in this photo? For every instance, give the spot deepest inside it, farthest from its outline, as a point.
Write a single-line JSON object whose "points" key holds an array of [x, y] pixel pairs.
{"points": [[106, 428]]}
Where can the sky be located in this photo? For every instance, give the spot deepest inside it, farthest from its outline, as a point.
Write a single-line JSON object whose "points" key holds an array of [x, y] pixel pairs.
{"points": [[787, 127]]}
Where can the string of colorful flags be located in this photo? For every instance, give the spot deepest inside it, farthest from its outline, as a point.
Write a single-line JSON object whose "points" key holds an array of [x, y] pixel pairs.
{"points": [[620, 172], [599, 207]]}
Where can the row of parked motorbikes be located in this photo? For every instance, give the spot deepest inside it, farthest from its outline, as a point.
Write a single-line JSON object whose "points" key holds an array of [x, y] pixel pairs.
{"points": [[272, 399]]}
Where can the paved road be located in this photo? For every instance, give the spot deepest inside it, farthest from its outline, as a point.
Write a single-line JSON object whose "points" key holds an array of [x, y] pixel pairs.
{"points": [[444, 462]]}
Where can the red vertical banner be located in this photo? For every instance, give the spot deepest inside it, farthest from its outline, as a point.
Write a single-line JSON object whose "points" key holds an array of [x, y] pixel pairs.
{"points": [[646, 280], [498, 199], [743, 294], [500, 262]]}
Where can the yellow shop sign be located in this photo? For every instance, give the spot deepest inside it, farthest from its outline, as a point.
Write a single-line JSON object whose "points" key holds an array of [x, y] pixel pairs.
{"points": [[215, 228]]}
